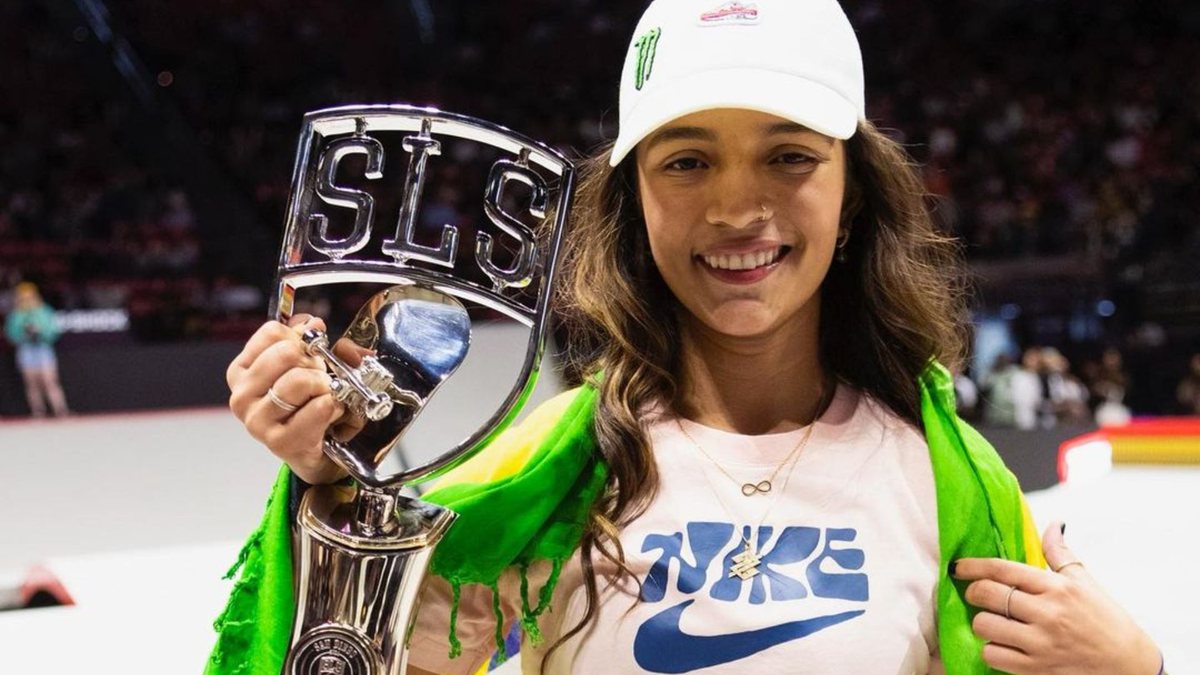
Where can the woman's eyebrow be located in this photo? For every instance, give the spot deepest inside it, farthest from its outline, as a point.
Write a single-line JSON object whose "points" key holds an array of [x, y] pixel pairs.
{"points": [[782, 128], [680, 133], [786, 128]]}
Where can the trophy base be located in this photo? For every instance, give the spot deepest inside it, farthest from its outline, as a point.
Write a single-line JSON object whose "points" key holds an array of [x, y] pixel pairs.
{"points": [[360, 560]]}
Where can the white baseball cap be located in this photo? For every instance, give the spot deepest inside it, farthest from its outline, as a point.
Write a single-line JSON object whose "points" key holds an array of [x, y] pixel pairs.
{"points": [[798, 59]]}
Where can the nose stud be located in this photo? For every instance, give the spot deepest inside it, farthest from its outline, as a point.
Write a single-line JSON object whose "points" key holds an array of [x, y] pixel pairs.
{"points": [[765, 216]]}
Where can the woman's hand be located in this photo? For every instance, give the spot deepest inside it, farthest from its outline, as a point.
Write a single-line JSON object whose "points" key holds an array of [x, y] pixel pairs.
{"points": [[274, 359], [1054, 621]]}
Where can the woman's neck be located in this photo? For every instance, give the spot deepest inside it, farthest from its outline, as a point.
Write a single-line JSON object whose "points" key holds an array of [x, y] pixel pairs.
{"points": [[763, 384]]}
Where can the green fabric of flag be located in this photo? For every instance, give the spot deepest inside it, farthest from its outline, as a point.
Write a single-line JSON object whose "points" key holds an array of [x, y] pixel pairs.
{"points": [[254, 630], [499, 525], [979, 514], [506, 527]]}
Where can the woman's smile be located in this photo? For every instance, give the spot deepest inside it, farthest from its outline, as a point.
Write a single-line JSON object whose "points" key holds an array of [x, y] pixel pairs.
{"points": [[742, 264]]}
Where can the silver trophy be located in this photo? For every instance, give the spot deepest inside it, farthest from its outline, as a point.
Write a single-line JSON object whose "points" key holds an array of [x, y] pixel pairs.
{"points": [[362, 552]]}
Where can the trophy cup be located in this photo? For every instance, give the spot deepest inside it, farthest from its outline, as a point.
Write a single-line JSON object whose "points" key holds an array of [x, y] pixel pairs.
{"points": [[361, 554]]}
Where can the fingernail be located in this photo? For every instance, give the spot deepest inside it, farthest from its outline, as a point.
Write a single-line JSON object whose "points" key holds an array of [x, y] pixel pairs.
{"points": [[1063, 529], [953, 566]]}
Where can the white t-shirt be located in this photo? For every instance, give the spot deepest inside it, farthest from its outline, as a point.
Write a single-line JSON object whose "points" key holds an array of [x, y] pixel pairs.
{"points": [[846, 582]]}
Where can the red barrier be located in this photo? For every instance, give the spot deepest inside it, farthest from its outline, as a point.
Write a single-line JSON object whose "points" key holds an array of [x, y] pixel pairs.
{"points": [[1157, 440]]}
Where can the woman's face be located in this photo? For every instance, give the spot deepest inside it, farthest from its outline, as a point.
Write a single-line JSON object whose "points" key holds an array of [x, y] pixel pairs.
{"points": [[738, 268]]}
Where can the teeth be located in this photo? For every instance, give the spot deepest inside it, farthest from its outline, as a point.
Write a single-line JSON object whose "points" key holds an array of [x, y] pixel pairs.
{"points": [[745, 261]]}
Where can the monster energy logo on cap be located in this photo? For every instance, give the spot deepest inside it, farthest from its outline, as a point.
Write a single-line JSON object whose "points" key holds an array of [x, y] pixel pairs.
{"points": [[645, 56]]}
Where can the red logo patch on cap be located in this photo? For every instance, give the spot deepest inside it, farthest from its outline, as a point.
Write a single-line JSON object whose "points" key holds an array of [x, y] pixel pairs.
{"points": [[731, 12]]}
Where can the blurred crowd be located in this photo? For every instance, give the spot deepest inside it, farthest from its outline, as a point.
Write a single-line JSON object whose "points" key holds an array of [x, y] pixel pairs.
{"points": [[1041, 390], [80, 214], [1043, 128]]}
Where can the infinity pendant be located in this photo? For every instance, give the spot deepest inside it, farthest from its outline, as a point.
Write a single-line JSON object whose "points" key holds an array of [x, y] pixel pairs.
{"points": [[749, 489]]}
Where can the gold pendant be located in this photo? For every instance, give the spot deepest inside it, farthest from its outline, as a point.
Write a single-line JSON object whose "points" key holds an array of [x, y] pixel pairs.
{"points": [[745, 564], [750, 489]]}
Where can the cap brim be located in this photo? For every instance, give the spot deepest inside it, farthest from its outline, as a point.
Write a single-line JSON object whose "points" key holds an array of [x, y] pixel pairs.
{"points": [[791, 97]]}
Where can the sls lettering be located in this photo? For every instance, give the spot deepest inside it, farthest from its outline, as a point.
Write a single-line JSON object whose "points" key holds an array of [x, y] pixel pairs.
{"points": [[402, 245], [825, 551]]}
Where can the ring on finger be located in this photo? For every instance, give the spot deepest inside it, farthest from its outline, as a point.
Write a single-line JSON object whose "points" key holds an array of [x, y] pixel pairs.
{"points": [[280, 403], [1008, 602]]}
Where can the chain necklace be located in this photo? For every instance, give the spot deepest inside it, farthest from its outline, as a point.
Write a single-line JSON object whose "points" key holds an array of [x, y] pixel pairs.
{"points": [[748, 489], [745, 564]]}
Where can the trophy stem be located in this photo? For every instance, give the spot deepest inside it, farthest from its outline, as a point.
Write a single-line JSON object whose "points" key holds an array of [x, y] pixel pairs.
{"points": [[360, 558]]}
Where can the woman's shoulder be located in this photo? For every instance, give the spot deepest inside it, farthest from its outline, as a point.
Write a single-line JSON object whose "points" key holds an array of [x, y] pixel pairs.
{"points": [[940, 432], [862, 409]]}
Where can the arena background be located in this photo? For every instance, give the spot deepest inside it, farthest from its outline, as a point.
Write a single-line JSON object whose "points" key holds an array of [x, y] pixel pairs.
{"points": [[145, 164]]}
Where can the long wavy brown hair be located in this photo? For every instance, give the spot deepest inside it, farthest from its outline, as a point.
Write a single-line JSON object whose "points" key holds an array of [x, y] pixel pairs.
{"points": [[899, 294]]}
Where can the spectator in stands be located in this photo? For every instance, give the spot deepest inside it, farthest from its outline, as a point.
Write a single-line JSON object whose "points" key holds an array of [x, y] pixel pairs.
{"points": [[966, 396], [997, 390], [1027, 389], [1012, 391], [177, 216], [1066, 394], [1109, 387], [1188, 391], [32, 328]]}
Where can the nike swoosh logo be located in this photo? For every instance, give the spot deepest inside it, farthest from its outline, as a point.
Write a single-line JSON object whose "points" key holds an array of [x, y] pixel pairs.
{"points": [[661, 646]]}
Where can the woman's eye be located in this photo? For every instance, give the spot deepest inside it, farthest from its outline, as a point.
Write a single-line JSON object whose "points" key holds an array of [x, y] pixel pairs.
{"points": [[684, 164], [794, 158]]}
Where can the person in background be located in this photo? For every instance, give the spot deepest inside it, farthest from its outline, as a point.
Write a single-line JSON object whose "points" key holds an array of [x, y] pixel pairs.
{"points": [[1012, 391], [1109, 388], [998, 393], [1027, 393], [966, 396], [1188, 391], [32, 328], [1067, 395]]}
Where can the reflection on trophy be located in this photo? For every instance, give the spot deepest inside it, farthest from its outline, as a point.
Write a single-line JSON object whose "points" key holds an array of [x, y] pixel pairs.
{"points": [[361, 552]]}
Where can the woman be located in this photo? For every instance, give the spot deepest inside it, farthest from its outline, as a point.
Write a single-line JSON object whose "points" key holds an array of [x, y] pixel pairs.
{"points": [[32, 328], [773, 476]]}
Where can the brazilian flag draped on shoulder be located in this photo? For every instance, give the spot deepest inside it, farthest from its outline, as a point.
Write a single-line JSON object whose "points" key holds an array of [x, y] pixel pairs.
{"points": [[552, 455]]}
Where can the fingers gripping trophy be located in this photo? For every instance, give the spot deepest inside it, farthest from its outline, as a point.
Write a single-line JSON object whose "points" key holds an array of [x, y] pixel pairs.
{"points": [[361, 554]]}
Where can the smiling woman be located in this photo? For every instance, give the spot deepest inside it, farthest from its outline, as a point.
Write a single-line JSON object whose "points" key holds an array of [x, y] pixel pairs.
{"points": [[762, 466]]}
